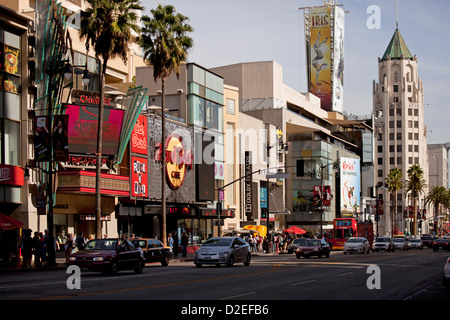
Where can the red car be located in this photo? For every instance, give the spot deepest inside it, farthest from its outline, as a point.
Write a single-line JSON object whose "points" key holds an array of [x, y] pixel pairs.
{"points": [[313, 247], [109, 256]]}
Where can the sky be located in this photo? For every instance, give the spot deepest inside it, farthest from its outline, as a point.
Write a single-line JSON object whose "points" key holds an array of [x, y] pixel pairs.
{"points": [[233, 31]]}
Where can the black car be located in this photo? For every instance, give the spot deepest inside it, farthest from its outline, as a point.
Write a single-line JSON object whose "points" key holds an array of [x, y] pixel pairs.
{"points": [[427, 241], [441, 244], [154, 250]]}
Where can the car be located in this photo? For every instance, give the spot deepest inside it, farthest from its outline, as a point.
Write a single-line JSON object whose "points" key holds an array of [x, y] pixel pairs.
{"points": [[223, 250], [154, 250], [313, 247], [383, 243], [108, 256], [446, 279], [292, 247], [427, 240], [401, 243], [357, 244], [415, 244], [441, 244]]}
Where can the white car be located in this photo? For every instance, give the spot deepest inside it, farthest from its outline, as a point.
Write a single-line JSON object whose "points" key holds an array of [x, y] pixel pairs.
{"points": [[446, 279], [357, 244]]}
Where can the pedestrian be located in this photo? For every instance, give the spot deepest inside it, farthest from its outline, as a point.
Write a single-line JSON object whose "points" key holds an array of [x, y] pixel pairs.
{"points": [[68, 246], [184, 244], [36, 250], [170, 241], [80, 241], [175, 244], [43, 246], [27, 249]]}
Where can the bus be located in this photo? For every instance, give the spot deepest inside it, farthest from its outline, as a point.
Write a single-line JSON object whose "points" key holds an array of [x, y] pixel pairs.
{"points": [[345, 228]]}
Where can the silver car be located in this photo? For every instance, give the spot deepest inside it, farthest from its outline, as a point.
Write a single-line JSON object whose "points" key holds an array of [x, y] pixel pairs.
{"points": [[383, 243], [357, 244], [223, 250], [401, 243], [416, 244]]}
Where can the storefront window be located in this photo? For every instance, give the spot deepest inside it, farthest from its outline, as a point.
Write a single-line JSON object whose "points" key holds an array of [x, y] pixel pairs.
{"points": [[197, 230]]}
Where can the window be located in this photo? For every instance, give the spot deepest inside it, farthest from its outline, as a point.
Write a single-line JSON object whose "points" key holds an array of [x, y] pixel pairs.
{"points": [[230, 106], [395, 88]]}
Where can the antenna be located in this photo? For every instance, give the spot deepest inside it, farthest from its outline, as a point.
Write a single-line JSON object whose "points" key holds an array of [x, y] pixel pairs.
{"points": [[396, 17]]}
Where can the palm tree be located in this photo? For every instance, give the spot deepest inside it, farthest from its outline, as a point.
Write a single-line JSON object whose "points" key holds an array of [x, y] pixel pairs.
{"points": [[415, 184], [394, 183], [107, 25], [165, 41], [437, 196]]}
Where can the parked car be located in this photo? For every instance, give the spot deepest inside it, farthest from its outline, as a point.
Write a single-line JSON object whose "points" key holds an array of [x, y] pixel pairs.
{"points": [[357, 244], [446, 279], [427, 240], [154, 250], [401, 243], [441, 244], [383, 243], [108, 256], [415, 244], [292, 247], [223, 250], [313, 247]]}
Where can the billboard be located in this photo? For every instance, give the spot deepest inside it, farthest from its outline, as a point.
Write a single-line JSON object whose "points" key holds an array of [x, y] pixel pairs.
{"points": [[350, 185], [324, 34], [83, 128], [139, 177]]}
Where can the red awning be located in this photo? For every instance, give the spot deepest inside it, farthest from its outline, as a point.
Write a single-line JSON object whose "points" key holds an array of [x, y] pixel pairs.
{"points": [[8, 223]]}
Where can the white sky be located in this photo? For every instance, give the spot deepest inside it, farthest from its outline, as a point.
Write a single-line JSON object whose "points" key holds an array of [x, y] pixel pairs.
{"points": [[233, 31]]}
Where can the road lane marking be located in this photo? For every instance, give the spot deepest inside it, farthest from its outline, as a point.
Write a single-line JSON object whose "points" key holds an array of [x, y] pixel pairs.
{"points": [[345, 274], [300, 283], [238, 296]]}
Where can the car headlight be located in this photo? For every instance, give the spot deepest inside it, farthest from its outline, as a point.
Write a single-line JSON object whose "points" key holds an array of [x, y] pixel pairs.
{"points": [[72, 259], [99, 259]]}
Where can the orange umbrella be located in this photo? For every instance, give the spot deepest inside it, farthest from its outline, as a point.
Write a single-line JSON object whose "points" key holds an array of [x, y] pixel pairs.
{"points": [[295, 230], [8, 223]]}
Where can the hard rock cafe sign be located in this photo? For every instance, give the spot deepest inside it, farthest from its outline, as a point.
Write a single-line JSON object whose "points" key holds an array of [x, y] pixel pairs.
{"points": [[178, 160]]}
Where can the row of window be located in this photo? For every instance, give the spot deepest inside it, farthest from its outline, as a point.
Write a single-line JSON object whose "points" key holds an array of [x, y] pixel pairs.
{"points": [[411, 148]]}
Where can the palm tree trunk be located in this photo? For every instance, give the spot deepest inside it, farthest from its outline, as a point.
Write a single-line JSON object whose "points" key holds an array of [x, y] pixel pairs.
{"points": [[98, 195], [163, 173]]}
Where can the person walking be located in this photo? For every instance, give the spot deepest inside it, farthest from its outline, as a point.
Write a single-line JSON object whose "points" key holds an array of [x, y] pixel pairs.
{"points": [[27, 249], [175, 244], [36, 250], [184, 245], [80, 241], [170, 241], [68, 246]]}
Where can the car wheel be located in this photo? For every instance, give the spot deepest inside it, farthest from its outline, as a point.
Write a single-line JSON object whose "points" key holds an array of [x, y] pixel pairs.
{"points": [[112, 270], [249, 258], [139, 267], [298, 256], [165, 261], [368, 250], [198, 265], [230, 261], [327, 255]]}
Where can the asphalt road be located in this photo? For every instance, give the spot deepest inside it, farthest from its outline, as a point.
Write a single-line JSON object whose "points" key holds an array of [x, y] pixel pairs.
{"points": [[411, 275]]}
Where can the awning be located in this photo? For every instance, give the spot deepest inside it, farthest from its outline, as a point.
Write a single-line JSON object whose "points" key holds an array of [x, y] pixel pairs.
{"points": [[8, 223]]}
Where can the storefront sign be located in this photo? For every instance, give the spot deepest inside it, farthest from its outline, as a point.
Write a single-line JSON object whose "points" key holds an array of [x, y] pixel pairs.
{"points": [[92, 97], [248, 183], [11, 175], [139, 180], [139, 136]]}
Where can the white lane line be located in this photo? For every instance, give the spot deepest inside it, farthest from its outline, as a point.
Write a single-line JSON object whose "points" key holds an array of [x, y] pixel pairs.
{"points": [[238, 296], [344, 274], [304, 282]]}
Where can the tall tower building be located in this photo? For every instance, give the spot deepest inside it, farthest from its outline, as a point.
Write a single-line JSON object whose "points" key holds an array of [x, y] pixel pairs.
{"points": [[401, 134]]}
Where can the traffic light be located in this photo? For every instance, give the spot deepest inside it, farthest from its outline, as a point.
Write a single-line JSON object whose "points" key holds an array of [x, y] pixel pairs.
{"points": [[300, 168], [264, 212]]}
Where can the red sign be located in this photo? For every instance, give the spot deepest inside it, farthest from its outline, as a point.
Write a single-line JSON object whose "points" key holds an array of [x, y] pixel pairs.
{"points": [[11, 175], [139, 136], [139, 177]]}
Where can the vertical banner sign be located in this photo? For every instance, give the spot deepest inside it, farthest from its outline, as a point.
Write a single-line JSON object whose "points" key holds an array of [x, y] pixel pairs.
{"points": [[326, 196], [60, 138], [248, 183], [139, 180], [350, 185], [139, 136], [338, 60], [320, 55], [41, 139]]}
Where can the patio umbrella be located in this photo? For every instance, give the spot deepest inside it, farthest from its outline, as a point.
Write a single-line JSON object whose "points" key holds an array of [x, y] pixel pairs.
{"points": [[8, 223], [295, 230]]}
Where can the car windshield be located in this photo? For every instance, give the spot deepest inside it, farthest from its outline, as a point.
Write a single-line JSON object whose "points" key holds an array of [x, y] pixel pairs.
{"points": [[101, 244], [299, 241], [414, 240], [312, 243], [399, 240], [355, 240], [383, 240], [218, 242]]}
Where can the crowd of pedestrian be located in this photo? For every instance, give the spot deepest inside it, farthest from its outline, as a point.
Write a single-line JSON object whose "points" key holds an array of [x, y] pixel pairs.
{"points": [[37, 246]]}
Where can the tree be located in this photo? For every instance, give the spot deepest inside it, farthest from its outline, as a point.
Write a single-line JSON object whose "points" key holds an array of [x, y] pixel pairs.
{"points": [[107, 26], [165, 41], [414, 185], [394, 183], [438, 196]]}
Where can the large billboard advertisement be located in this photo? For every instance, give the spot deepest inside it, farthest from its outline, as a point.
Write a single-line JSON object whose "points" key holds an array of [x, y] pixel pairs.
{"points": [[320, 55], [324, 34], [350, 185], [338, 61], [83, 128]]}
